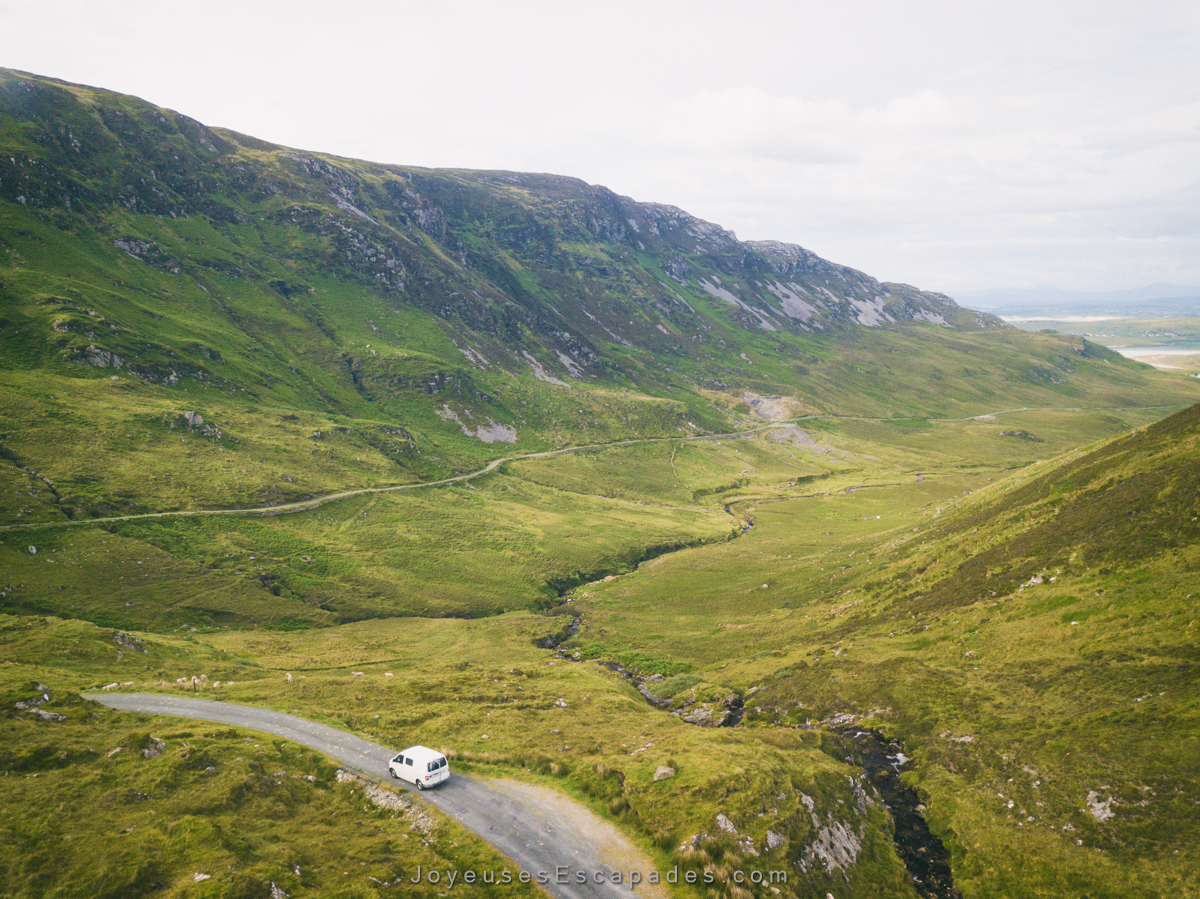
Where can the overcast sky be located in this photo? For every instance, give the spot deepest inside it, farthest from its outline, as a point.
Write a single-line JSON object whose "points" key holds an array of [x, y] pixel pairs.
{"points": [[955, 146]]}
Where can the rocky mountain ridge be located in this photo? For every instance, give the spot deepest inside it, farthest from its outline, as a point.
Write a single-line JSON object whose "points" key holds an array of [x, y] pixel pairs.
{"points": [[493, 252]]}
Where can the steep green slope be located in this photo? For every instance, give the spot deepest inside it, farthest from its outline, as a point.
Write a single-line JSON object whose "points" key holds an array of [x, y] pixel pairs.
{"points": [[341, 323], [1032, 643]]}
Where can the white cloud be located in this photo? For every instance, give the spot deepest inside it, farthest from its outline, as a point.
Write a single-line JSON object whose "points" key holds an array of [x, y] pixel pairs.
{"points": [[925, 110], [952, 146], [751, 121]]}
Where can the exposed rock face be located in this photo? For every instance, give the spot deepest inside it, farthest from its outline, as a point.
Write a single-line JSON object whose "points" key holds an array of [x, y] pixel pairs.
{"points": [[136, 248], [42, 697], [32, 704], [100, 358], [496, 433], [1100, 810], [836, 847], [381, 798], [490, 432], [1023, 435], [651, 698]]}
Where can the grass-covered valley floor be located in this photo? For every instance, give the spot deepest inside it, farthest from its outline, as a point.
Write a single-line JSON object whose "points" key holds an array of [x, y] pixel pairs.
{"points": [[879, 579]]}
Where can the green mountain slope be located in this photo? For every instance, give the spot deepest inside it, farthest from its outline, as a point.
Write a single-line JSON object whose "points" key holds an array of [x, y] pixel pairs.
{"points": [[341, 323], [1033, 644]]}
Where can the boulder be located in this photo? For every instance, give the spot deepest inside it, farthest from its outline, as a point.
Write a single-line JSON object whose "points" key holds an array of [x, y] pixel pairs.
{"points": [[154, 749]]}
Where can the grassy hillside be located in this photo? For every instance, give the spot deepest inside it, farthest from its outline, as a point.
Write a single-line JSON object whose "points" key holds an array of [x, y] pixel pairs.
{"points": [[905, 531], [831, 603], [337, 323], [1032, 642]]}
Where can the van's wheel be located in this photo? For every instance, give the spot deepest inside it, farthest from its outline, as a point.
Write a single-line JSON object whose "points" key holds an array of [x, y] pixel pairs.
{"points": [[420, 786], [392, 771]]}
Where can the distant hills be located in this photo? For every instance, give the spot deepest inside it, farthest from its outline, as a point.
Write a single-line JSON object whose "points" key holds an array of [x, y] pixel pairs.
{"points": [[1153, 300]]}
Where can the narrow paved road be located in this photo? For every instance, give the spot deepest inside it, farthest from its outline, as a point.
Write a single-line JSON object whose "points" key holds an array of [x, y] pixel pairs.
{"points": [[536, 828]]}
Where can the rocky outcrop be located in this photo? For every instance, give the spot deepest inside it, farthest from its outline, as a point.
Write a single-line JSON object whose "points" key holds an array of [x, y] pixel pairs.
{"points": [[99, 357], [1100, 809], [32, 705], [194, 421], [130, 642], [402, 803], [835, 847]]}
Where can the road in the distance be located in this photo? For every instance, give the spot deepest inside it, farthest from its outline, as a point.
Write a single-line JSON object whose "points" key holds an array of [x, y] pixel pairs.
{"points": [[536, 828], [307, 505]]}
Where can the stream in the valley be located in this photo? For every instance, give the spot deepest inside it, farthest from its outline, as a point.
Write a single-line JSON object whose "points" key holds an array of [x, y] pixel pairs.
{"points": [[880, 758], [922, 852]]}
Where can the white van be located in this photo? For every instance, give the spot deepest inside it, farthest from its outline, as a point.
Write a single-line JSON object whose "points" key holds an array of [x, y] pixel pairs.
{"points": [[421, 766]]}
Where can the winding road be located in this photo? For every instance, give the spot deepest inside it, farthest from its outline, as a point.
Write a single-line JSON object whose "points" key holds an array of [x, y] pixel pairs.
{"points": [[309, 504], [538, 829]]}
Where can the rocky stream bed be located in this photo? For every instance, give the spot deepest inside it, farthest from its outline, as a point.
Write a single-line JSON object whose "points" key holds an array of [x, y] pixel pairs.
{"points": [[923, 854]]}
